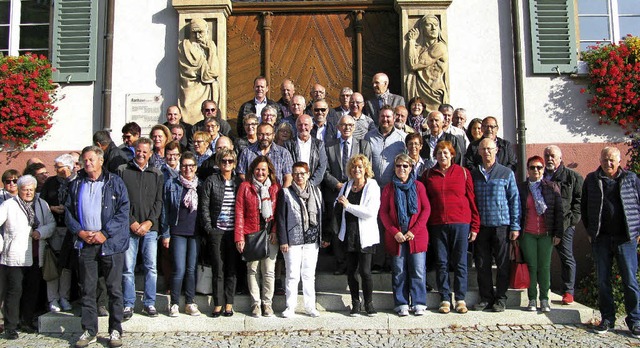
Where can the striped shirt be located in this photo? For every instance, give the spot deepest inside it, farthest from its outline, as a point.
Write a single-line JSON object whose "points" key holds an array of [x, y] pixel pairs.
{"points": [[227, 217]]}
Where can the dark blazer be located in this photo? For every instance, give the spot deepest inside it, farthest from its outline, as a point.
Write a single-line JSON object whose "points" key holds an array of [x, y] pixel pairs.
{"points": [[317, 160], [225, 129], [188, 130], [114, 157], [372, 107], [332, 117], [426, 150], [330, 133], [505, 156], [335, 173], [249, 107], [338, 113]]}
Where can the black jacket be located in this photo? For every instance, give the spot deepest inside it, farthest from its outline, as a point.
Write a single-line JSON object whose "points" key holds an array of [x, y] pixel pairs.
{"points": [[570, 184], [210, 200], [145, 193], [505, 156], [114, 157]]}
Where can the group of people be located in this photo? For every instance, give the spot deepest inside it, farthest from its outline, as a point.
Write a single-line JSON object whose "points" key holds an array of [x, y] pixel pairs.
{"points": [[380, 192]]}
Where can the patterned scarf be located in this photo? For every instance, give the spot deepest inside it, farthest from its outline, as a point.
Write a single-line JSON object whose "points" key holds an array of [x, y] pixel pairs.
{"points": [[191, 197], [266, 206], [416, 122], [406, 199], [308, 206], [27, 208], [536, 190]]}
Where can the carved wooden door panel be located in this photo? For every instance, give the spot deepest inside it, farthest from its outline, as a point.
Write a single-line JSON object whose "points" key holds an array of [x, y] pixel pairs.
{"points": [[310, 48]]}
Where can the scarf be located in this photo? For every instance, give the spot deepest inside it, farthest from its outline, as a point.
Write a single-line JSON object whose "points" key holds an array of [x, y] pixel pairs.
{"points": [[416, 122], [191, 197], [308, 206], [406, 199], [536, 190], [264, 199], [27, 208]]}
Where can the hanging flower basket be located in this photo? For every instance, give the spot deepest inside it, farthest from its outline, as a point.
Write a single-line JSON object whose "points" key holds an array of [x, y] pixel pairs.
{"points": [[27, 95]]}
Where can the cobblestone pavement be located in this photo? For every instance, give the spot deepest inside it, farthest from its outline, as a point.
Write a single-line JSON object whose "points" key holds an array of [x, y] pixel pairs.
{"points": [[480, 336]]}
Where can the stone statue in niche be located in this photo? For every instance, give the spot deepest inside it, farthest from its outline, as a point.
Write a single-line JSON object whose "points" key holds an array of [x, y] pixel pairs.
{"points": [[428, 61], [199, 70]]}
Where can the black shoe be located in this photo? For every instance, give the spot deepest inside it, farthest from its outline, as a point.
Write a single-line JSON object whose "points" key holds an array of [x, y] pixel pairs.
{"points": [[481, 306], [28, 329], [429, 287], [635, 331], [127, 313], [227, 313], [341, 269], [355, 309], [150, 311], [604, 326], [11, 335], [215, 314], [371, 311], [376, 270], [499, 306]]}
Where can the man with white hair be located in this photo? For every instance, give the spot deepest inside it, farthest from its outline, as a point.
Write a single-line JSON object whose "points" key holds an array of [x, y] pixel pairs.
{"points": [[611, 214], [383, 97], [307, 149], [570, 184]]}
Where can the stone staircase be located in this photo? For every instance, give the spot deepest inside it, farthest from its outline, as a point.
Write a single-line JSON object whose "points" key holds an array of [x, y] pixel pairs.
{"points": [[333, 302]]}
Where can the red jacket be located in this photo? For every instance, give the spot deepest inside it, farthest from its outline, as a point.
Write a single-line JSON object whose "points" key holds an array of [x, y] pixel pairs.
{"points": [[248, 212], [417, 224], [452, 197]]}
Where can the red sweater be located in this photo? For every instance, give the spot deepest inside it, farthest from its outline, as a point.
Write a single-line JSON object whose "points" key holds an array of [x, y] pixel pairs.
{"points": [[247, 210], [417, 224], [452, 198]]}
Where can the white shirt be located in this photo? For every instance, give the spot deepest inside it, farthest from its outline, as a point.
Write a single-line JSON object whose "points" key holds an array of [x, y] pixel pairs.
{"points": [[320, 132], [305, 150], [260, 106], [349, 143]]}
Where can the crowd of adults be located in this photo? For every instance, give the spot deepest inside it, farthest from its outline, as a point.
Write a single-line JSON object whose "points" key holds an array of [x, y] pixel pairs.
{"points": [[385, 186]]}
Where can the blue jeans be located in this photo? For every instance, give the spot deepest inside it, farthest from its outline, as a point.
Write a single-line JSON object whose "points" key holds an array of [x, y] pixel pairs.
{"points": [[451, 245], [605, 249], [411, 266], [149, 255], [184, 251]]}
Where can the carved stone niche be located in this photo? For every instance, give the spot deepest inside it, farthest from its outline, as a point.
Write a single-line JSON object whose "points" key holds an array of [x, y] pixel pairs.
{"points": [[202, 57], [424, 53]]}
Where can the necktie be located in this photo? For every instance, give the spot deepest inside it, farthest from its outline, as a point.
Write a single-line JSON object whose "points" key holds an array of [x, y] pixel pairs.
{"points": [[345, 155]]}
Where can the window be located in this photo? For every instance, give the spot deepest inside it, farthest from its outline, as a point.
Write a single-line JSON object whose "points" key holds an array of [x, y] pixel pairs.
{"points": [[607, 20], [24, 26]]}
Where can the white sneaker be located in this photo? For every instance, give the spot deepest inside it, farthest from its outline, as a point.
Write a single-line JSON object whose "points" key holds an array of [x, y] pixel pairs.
{"points": [[419, 311], [313, 313], [403, 312], [174, 310], [192, 309], [115, 340], [65, 305], [54, 306], [288, 313]]}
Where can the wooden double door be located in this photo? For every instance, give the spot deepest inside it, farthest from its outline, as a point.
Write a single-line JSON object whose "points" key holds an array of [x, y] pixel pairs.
{"points": [[335, 49]]}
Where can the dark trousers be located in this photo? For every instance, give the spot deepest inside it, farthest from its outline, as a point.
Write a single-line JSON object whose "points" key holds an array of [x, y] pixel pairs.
{"points": [[359, 263], [90, 262], [492, 242], [224, 264], [12, 278], [32, 278], [567, 261]]}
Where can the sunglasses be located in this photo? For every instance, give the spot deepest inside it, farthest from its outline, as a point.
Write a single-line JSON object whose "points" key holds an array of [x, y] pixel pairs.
{"points": [[535, 167], [227, 161], [10, 181], [320, 109], [210, 110], [404, 165]]}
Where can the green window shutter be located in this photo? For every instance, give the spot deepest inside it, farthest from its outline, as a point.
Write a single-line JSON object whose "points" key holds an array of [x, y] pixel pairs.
{"points": [[74, 42], [553, 36]]}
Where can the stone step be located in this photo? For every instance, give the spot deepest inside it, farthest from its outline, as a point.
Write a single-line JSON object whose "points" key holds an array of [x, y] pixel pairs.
{"points": [[333, 307]]}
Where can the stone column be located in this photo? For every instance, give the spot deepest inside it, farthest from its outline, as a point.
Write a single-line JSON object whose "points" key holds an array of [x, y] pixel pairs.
{"points": [[424, 54], [215, 13]]}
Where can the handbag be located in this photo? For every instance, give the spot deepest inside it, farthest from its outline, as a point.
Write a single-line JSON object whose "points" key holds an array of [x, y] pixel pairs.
{"points": [[204, 279], [519, 278], [256, 245], [50, 265]]}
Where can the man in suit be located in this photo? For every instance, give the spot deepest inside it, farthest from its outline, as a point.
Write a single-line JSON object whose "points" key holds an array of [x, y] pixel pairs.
{"points": [[343, 108], [505, 155], [305, 148], [338, 154], [436, 134], [383, 96], [322, 129], [255, 105]]}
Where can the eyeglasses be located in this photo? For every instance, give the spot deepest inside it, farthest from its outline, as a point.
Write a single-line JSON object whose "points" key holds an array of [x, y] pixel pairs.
{"points": [[227, 161], [320, 109], [535, 167], [404, 165], [347, 125], [10, 181], [487, 149], [198, 141], [172, 155], [209, 110], [251, 125], [299, 173], [187, 166], [490, 127]]}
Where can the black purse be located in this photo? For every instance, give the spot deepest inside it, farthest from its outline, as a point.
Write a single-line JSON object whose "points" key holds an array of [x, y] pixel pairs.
{"points": [[256, 245]]}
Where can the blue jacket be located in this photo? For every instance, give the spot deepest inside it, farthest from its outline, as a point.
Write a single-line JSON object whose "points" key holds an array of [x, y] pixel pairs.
{"points": [[115, 212], [497, 199], [592, 201]]}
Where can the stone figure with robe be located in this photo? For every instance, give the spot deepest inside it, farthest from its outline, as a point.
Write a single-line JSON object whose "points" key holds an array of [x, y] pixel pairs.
{"points": [[428, 62], [199, 70]]}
